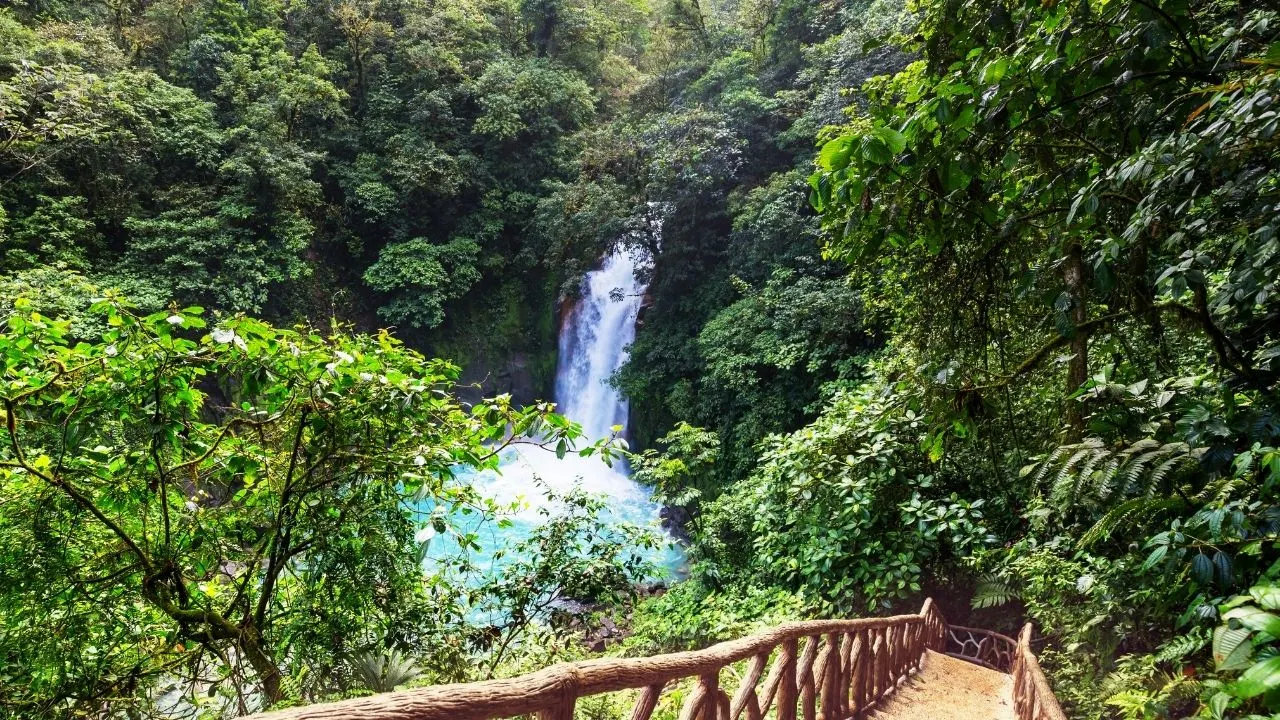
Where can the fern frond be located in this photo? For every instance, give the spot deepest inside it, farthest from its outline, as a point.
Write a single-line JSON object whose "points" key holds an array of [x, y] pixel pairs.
{"points": [[1051, 462], [1182, 646], [1091, 473], [1107, 477], [1222, 489], [993, 591], [1161, 471], [1134, 471], [1066, 484], [1119, 515], [1086, 472]]}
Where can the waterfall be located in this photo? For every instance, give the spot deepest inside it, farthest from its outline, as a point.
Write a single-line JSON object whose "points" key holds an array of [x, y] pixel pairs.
{"points": [[593, 344], [594, 341]]}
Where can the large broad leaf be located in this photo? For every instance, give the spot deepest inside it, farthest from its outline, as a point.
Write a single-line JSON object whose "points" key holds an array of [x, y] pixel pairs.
{"points": [[1202, 569], [1231, 648], [1259, 678], [1267, 596], [895, 140], [1255, 619], [835, 154], [1222, 565], [876, 150]]}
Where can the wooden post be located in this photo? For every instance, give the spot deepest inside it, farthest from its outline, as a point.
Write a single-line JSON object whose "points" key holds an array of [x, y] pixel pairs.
{"points": [[747, 689], [808, 689], [711, 698], [858, 674], [646, 703], [787, 686], [831, 679], [846, 673], [561, 711], [877, 667]]}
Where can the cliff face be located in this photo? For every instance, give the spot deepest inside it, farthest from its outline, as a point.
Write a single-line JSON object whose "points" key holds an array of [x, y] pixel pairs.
{"points": [[516, 373]]}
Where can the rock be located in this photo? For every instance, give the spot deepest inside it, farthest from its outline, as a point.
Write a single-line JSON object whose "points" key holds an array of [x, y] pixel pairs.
{"points": [[485, 376], [676, 521]]}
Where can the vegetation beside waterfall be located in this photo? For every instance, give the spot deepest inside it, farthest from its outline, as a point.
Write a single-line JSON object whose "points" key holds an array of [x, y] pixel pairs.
{"points": [[960, 298]]}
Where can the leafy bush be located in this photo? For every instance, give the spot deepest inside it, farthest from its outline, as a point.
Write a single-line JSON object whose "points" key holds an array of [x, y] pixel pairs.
{"points": [[690, 616], [848, 510]]}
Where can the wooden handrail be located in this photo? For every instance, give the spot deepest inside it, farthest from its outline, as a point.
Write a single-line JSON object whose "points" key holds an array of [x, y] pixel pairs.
{"points": [[1033, 699], [817, 670]]}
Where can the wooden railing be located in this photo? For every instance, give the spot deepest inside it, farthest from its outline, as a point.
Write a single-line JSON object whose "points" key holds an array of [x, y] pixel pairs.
{"points": [[1033, 699], [981, 647], [827, 669]]}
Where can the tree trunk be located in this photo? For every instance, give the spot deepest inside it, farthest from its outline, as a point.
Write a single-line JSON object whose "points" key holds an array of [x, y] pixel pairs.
{"points": [[1078, 369], [250, 644]]}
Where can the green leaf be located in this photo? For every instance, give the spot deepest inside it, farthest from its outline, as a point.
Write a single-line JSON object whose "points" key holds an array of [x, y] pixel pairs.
{"points": [[1222, 566], [1255, 619], [875, 150], [1155, 557], [1219, 703], [1202, 569], [995, 70], [1267, 596], [1259, 678], [1231, 648], [943, 112], [836, 153], [896, 141]]}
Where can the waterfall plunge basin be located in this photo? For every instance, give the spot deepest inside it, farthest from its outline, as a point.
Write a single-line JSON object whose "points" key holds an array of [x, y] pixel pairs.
{"points": [[524, 476]]}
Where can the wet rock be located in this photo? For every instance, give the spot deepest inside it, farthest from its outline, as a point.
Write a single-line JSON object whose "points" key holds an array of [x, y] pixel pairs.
{"points": [[676, 521]]}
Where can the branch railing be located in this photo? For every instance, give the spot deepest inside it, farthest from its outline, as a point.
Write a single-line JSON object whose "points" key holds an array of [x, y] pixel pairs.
{"points": [[1033, 699], [981, 647], [814, 670]]}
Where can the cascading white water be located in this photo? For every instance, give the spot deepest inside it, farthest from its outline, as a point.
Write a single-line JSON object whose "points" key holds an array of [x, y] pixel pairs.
{"points": [[593, 344]]}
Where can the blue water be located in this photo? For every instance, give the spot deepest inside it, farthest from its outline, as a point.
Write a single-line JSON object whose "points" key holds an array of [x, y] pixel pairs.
{"points": [[515, 485]]}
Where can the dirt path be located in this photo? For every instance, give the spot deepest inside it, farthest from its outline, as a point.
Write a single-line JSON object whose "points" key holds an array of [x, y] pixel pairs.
{"points": [[951, 688]]}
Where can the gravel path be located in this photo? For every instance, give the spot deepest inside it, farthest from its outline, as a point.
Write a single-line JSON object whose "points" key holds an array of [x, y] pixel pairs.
{"points": [[951, 688]]}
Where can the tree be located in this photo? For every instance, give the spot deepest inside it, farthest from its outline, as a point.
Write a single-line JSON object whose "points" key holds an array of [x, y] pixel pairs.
{"points": [[1063, 207], [950, 173], [572, 556], [360, 26], [421, 278], [219, 503]]}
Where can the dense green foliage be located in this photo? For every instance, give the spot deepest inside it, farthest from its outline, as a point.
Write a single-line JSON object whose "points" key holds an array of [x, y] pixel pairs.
{"points": [[1069, 212], [245, 510], [952, 297], [1062, 219], [374, 159]]}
